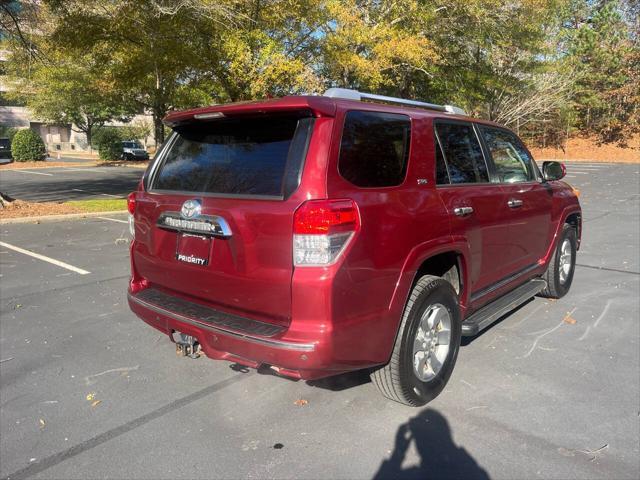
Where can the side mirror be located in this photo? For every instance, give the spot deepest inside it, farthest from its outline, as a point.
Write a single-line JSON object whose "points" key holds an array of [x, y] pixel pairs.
{"points": [[553, 171]]}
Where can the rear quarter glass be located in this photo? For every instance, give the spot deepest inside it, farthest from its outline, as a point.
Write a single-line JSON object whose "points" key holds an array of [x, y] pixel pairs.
{"points": [[244, 156], [374, 148]]}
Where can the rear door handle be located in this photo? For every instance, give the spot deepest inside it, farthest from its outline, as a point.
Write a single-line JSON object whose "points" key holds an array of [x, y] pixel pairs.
{"points": [[463, 211], [513, 203]]}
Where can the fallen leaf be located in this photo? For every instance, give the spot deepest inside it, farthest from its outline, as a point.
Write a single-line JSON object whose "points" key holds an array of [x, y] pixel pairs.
{"points": [[91, 396], [42, 423], [300, 402], [96, 403], [570, 320]]}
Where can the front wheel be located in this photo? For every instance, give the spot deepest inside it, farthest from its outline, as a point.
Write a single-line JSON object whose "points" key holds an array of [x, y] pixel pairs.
{"points": [[562, 265], [426, 346]]}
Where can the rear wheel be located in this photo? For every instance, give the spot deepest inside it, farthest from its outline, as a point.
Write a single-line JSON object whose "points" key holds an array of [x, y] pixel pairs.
{"points": [[426, 346], [559, 274]]}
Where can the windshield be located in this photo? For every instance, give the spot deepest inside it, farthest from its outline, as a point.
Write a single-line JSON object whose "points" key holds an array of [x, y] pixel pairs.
{"points": [[131, 145], [249, 156]]}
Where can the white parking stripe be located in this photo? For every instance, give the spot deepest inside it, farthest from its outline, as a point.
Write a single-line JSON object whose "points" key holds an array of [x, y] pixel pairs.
{"points": [[112, 219], [96, 193], [45, 259], [578, 165], [29, 171], [596, 165]]}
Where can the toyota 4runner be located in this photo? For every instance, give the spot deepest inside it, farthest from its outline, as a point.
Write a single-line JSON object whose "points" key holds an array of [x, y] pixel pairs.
{"points": [[323, 234]]}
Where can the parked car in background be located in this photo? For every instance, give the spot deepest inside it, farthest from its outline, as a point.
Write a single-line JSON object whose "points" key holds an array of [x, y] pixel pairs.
{"points": [[132, 150], [5, 151], [324, 234]]}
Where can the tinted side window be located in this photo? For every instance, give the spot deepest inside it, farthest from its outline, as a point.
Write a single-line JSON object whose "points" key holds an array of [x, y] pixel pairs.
{"points": [[511, 159], [442, 176], [462, 153], [374, 149]]}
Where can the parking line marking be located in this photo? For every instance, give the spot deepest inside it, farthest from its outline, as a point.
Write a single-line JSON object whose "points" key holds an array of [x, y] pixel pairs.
{"points": [[96, 193], [112, 219], [587, 167], [29, 171], [45, 259]]}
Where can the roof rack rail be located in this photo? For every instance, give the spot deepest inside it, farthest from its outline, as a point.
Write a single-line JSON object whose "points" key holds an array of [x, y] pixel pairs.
{"points": [[349, 94]]}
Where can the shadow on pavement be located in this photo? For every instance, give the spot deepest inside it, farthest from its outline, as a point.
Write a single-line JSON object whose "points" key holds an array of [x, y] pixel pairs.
{"points": [[439, 456], [343, 381]]}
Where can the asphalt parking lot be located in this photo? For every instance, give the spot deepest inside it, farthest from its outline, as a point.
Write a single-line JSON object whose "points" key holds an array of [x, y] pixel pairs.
{"points": [[89, 391], [69, 183]]}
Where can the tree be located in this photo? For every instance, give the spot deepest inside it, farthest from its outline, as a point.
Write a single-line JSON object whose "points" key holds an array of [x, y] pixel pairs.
{"points": [[377, 45], [146, 48], [73, 92], [269, 50], [603, 52]]}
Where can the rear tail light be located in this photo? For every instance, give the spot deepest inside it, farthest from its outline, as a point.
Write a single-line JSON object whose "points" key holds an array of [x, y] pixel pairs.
{"points": [[131, 206], [322, 230]]}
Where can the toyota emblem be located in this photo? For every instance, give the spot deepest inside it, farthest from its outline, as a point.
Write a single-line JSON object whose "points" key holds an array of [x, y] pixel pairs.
{"points": [[191, 209]]}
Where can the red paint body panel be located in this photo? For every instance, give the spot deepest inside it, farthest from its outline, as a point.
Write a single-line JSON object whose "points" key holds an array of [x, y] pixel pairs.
{"points": [[350, 310]]}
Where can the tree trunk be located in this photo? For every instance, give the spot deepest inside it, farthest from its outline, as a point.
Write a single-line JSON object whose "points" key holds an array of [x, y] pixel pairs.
{"points": [[89, 133], [158, 128]]}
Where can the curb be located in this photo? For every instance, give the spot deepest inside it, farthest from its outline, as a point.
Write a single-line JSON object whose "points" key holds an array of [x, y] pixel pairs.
{"points": [[58, 218]]}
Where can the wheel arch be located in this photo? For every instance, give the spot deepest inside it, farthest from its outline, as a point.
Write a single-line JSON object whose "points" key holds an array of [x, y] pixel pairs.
{"points": [[575, 219], [429, 260]]}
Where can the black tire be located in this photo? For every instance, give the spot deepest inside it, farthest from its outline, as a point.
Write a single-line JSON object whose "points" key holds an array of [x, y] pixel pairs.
{"points": [[556, 288], [397, 379]]}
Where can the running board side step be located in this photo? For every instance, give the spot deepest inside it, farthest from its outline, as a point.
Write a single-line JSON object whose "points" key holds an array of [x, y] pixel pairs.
{"points": [[490, 313]]}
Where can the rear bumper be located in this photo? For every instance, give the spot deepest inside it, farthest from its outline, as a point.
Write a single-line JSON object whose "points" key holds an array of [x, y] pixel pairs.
{"points": [[307, 355]]}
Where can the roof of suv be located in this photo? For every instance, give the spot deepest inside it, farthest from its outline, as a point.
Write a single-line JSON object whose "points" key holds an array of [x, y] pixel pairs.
{"points": [[320, 105]]}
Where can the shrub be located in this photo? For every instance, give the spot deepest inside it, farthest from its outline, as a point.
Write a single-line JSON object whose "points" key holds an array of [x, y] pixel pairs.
{"points": [[109, 145], [27, 146]]}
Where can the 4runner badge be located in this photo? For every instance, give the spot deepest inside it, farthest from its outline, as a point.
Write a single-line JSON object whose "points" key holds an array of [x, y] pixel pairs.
{"points": [[191, 209]]}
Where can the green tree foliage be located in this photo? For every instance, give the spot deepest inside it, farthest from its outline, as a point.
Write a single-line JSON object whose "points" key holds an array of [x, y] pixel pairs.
{"points": [[533, 65], [605, 56], [109, 143], [27, 146], [72, 92]]}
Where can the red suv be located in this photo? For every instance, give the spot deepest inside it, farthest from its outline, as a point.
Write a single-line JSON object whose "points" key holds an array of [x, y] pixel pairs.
{"points": [[323, 234]]}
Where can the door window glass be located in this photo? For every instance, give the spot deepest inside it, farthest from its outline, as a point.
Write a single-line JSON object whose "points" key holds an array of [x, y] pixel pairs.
{"points": [[512, 161]]}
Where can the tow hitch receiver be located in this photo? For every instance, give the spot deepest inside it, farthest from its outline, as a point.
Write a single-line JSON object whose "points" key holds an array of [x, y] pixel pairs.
{"points": [[186, 345]]}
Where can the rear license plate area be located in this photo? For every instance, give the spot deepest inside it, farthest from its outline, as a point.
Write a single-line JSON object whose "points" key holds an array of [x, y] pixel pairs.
{"points": [[193, 249]]}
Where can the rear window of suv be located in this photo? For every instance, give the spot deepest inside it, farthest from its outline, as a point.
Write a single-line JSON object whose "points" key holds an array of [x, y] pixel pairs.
{"points": [[374, 148], [259, 156]]}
